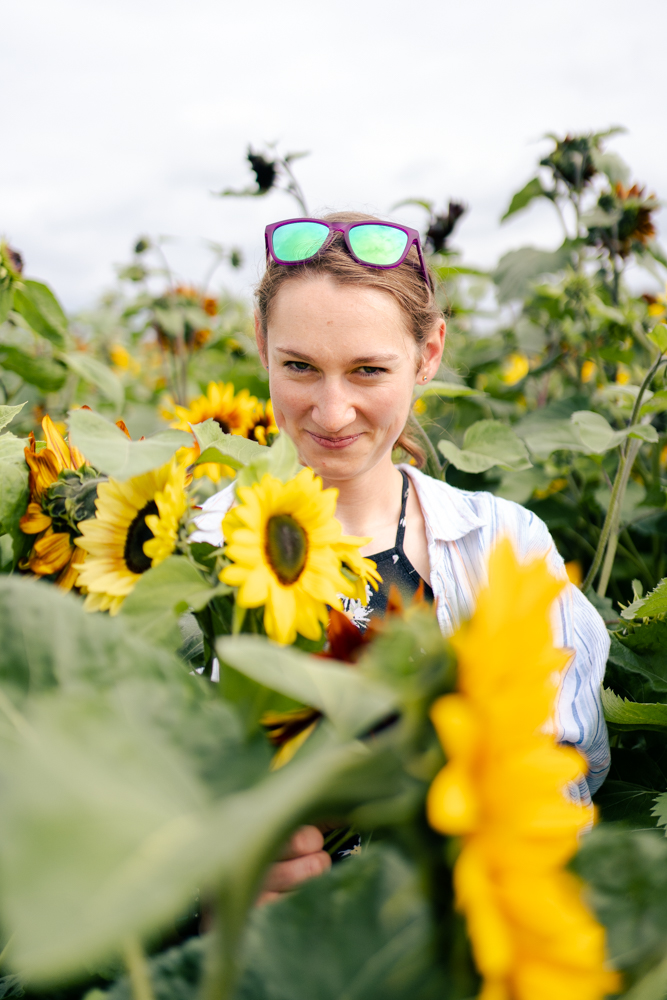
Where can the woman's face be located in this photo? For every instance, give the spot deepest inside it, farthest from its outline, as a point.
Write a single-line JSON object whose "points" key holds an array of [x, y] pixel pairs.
{"points": [[342, 367]]}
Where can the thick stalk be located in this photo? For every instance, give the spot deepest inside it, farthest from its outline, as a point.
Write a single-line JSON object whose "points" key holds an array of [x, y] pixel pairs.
{"points": [[221, 968], [137, 967], [606, 527]]}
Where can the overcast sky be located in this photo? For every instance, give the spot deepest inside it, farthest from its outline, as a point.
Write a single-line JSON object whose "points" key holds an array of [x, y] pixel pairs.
{"points": [[121, 117]]}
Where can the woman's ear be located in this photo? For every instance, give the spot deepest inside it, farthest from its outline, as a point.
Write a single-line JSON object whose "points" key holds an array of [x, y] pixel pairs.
{"points": [[431, 352], [261, 342]]}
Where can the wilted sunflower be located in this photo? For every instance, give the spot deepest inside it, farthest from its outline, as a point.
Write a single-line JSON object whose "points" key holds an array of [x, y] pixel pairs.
{"points": [[631, 224], [53, 551], [136, 527], [281, 541], [531, 933]]}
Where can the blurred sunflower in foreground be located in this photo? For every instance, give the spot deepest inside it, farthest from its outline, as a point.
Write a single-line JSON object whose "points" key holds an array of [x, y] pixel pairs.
{"points": [[234, 412], [62, 488], [135, 527], [503, 792], [287, 553]]}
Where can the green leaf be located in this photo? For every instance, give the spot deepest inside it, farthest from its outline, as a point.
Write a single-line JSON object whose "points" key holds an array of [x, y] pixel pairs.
{"points": [[596, 434], [447, 390], [626, 873], [70, 647], [12, 448], [533, 189], [659, 337], [162, 594], [631, 714], [611, 164], [485, 444], [652, 986], [361, 932], [650, 606], [230, 449], [351, 701], [14, 494], [518, 269], [46, 373], [6, 300], [109, 833], [109, 450], [282, 459], [627, 802], [41, 310], [92, 370], [7, 414]]}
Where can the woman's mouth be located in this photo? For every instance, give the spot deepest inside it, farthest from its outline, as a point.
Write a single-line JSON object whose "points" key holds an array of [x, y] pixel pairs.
{"points": [[334, 443]]}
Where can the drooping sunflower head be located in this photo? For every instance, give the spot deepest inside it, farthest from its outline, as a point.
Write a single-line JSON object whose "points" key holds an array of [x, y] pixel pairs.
{"points": [[136, 526], [282, 543], [46, 464]]}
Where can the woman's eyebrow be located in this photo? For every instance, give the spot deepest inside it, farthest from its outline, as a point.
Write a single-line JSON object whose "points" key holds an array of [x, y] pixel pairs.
{"points": [[371, 359]]}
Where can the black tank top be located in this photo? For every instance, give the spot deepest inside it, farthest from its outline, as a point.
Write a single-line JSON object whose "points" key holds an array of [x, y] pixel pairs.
{"points": [[395, 568]]}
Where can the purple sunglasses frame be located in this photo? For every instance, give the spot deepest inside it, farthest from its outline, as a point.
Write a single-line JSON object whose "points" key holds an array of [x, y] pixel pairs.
{"points": [[344, 228]]}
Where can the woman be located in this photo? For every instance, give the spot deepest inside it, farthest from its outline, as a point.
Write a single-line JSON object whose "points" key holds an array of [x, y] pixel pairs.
{"points": [[347, 325]]}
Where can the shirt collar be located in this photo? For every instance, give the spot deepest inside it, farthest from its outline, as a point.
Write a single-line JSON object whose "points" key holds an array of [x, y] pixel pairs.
{"points": [[449, 513]]}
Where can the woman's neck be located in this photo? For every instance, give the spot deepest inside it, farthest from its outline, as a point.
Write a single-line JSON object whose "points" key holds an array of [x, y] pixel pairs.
{"points": [[370, 504]]}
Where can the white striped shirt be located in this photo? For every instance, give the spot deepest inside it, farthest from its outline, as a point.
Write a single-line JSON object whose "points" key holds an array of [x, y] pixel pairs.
{"points": [[462, 528]]}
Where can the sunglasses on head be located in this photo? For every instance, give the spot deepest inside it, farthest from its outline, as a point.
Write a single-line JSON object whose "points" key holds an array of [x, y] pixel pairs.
{"points": [[373, 244]]}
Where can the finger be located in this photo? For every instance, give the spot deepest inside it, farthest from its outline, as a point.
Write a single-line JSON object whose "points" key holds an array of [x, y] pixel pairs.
{"points": [[268, 897], [306, 840], [286, 875]]}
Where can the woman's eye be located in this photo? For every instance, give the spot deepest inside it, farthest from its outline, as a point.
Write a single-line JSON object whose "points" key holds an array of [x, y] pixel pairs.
{"points": [[298, 366], [369, 370]]}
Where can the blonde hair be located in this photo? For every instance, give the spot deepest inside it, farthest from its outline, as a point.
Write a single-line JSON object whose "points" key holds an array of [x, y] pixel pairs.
{"points": [[405, 282]]}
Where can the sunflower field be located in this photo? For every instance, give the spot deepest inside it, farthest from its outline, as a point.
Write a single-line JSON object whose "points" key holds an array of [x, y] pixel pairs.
{"points": [[171, 710]]}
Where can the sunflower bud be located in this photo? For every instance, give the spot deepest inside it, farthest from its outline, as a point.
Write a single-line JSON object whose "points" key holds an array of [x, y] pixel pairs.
{"points": [[71, 498]]}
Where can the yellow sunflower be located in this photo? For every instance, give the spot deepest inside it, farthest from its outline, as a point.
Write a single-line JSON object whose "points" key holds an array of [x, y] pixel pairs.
{"points": [[135, 528], [281, 541], [53, 551], [502, 791], [363, 570], [264, 424], [235, 413]]}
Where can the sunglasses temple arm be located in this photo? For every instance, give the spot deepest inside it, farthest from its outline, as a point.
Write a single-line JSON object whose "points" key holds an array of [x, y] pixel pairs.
{"points": [[423, 264]]}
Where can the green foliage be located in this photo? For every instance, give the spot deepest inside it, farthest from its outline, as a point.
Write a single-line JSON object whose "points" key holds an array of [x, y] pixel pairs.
{"points": [[109, 450], [485, 444]]}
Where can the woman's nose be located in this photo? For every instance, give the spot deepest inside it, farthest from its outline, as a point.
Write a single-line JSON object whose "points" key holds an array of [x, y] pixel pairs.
{"points": [[332, 410]]}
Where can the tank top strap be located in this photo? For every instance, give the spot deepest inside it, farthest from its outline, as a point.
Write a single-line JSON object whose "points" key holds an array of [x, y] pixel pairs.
{"points": [[400, 531]]}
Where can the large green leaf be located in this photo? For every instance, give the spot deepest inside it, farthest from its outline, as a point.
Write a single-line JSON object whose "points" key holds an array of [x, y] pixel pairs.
{"points": [[626, 874], [44, 372], [533, 189], [518, 269], [108, 833], [485, 444], [14, 494], [48, 639], [351, 701], [639, 675], [92, 370], [230, 449], [41, 311], [631, 715], [162, 594], [109, 450], [7, 414], [653, 604], [12, 448], [447, 390], [361, 932]]}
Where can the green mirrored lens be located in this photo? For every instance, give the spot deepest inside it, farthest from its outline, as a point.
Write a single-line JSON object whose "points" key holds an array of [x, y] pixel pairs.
{"points": [[382, 245], [298, 240]]}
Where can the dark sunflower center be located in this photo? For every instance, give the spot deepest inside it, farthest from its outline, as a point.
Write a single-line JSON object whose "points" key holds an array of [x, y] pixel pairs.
{"points": [[135, 558], [223, 425], [286, 547]]}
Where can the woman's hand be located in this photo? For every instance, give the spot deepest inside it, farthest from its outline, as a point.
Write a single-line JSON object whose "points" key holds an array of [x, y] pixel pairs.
{"points": [[303, 858]]}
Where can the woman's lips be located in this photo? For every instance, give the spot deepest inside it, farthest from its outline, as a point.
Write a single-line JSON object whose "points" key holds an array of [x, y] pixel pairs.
{"points": [[334, 444]]}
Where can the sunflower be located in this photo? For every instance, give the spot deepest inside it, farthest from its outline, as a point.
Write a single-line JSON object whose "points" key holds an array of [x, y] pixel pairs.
{"points": [[361, 572], [235, 413], [281, 541], [136, 526], [264, 425], [53, 551], [502, 791]]}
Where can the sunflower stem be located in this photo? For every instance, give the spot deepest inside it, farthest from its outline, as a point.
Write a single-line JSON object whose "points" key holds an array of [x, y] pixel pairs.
{"points": [[138, 971]]}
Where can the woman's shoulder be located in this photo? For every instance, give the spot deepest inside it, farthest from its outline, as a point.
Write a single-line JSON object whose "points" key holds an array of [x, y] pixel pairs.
{"points": [[452, 513], [209, 520]]}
